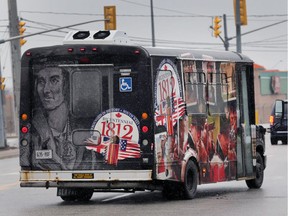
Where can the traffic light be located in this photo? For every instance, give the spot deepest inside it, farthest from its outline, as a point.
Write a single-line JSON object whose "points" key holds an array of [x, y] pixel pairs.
{"points": [[110, 15], [21, 32], [242, 11], [217, 26]]}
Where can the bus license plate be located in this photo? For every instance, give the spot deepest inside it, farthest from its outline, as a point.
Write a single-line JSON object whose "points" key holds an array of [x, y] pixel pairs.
{"points": [[82, 175], [43, 154]]}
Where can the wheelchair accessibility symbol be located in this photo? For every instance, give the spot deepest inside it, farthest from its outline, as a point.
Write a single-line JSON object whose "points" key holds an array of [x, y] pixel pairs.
{"points": [[125, 84]]}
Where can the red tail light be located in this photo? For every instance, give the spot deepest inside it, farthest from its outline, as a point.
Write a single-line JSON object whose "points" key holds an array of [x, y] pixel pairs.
{"points": [[145, 129], [24, 129]]}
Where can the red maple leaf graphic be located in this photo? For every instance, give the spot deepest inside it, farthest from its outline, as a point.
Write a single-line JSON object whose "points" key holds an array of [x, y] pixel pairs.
{"points": [[165, 67], [118, 115]]}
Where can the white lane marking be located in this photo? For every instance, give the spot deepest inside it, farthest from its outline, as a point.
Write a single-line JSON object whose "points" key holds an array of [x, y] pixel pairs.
{"points": [[12, 173], [8, 186], [7, 174], [116, 197]]}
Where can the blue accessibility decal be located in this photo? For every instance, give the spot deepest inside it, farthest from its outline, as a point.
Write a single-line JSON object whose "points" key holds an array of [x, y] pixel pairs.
{"points": [[125, 84]]}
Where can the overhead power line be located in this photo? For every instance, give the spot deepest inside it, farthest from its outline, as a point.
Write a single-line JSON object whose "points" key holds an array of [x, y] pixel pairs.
{"points": [[181, 15]]}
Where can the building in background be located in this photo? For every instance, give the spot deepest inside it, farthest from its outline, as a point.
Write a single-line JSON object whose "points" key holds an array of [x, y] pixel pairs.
{"points": [[269, 86]]}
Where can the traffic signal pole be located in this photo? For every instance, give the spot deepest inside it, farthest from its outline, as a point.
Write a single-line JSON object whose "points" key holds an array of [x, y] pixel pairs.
{"points": [[238, 28], [226, 39], [3, 142], [152, 24]]}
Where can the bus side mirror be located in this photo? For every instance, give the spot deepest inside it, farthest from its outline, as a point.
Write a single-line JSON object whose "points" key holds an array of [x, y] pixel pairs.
{"points": [[279, 108]]}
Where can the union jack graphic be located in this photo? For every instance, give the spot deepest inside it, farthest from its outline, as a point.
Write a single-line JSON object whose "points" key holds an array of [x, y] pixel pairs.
{"points": [[101, 148], [177, 109]]}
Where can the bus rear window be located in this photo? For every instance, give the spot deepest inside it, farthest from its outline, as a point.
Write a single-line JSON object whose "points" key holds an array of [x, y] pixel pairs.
{"points": [[86, 93]]}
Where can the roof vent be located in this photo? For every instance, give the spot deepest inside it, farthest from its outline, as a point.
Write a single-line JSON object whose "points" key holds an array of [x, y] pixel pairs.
{"points": [[97, 37]]}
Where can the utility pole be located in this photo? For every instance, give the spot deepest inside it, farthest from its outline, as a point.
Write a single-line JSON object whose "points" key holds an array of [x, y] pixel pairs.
{"points": [[15, 58], [152, 23], [226, 39], [238, 27], [3, 143]]}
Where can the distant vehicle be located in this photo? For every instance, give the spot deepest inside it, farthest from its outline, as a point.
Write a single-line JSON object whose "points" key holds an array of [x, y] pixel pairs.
{"points": [[100, 113], [278, 122]]}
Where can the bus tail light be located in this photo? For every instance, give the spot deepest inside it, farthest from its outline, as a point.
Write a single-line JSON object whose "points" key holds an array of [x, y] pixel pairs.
{"points": [[144, 116], [145, 142], [24, 129], [24, 117], [145, 129], [137, 52], [271, 120], [24, 142]]}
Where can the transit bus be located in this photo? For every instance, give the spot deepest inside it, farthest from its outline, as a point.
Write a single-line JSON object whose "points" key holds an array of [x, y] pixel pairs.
{"points": [[100, 113]]}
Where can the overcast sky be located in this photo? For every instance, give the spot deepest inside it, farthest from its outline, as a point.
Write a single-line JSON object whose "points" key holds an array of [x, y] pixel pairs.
{"points": [[183, 23]]}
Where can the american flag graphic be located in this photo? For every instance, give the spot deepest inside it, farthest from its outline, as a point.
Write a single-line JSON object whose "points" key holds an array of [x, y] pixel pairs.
{"points": [[128, 149], [177, 109]]}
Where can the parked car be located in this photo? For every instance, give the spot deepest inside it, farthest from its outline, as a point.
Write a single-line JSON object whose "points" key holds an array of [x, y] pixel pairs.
{"points": [[278, 122]]}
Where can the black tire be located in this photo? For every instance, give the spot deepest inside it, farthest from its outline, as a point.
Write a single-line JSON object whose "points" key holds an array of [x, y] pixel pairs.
{"points": [[85, 195], [81, 195], [68, 198], [191, 180], [257, 182], [273, 140]]}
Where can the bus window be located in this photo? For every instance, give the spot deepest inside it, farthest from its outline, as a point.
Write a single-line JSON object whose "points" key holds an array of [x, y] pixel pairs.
{"points": [[229, 70], [224, 86], [190, 76], [87, 82]]}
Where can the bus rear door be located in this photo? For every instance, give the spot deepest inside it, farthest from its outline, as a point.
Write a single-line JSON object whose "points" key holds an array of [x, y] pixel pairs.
{"points": [[244, 141]]}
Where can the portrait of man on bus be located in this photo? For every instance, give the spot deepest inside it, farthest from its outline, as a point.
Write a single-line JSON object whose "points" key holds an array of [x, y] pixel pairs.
{"points": [[197, 128], [51, 129]]}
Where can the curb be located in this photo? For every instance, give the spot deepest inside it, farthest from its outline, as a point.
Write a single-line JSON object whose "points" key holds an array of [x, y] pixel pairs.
{"points": [[9, 152]]}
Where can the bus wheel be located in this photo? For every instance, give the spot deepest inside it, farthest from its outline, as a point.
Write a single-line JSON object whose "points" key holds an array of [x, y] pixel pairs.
{"points": [[85, 195], [79, 195], [190, 181], [257, 182], [68, 198]]}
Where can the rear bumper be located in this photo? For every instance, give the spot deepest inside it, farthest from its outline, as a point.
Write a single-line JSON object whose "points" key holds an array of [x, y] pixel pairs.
{"points": [[113, 179], [279, 134]]}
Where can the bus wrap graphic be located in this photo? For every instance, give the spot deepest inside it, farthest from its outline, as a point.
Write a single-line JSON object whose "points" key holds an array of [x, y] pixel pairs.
{"points": [[169, 104], [117, 137]]}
